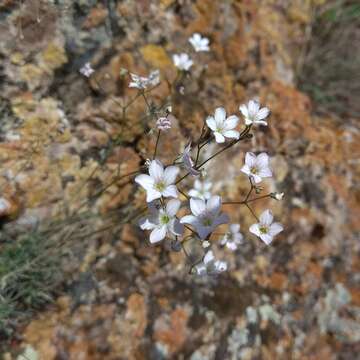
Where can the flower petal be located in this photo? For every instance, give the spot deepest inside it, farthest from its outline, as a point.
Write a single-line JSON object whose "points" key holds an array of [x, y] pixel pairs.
{"points": [[152, 194], [231, 122], [246, 170], [265, 172], [209, 256], [255, 229], [250, 159], [170, 174], [146, 224], [203, 231], [213, 205], [210, 122], [222, 219], [197, 206], [244, 110], [156, 170], [219, 138], [220, 115], [275, 229], [262, 113], [188, 219], [262, 160], [266, 218], [172, 207], [176, 227], [266, 238], [158, 234], [146, 181], [253, 107], [233, 134], [234, 228], [170, 191]]}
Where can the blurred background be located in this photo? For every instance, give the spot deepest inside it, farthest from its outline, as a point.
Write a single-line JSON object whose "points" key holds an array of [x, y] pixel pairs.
{"points": [[78, 279]]}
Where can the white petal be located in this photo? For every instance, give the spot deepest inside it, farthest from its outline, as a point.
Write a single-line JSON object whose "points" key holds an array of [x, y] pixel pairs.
{"points": [[172, 207], [213, 205], [275, 229], [194, 193], [146, 224], [210, 122], [207, 185], [220, 266], [152, 194], [158, 234], [262, 113], [189, 219], [198, 184], [156, 170], [220, 115], [233, 134], [255, 229], [253, 107], [266, 238], [262, 160], [266, 218], [246, 170], [209, 256], [146, 181], [248, 121], [265, 172], [244, 110], [201, 269], [256, 178], [170, 174], [197, 206], [231, 122], [261, 122], [219, 138], [250, 159], [170, 191], [176, 227], [234, 228]]}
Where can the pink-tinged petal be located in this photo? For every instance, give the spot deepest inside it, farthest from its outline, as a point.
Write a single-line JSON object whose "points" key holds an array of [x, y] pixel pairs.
{"points": [[170, 191], [146, 181], [213, 205], [262, 160], [146, 224], [219, 138], [209, 256], [222, 219], [170, 174], [156, 170], [255, 229], [266, 238], [265, 172], [158, 234], [231, 122], [152, 194], [253, 107], [244, 110], [275, 229], [262, 113], [220, 115], [197, 206], [250, 159], [176, 227], [188, 219], [246, 170], [233, 134], [210, 122], [172, 207], [266, 218]]}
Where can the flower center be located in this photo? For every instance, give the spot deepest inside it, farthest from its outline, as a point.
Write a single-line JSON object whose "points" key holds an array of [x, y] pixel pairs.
{"points": [[254, 170], [263, 229], [164, 219], [160, 186], [207, 221]]}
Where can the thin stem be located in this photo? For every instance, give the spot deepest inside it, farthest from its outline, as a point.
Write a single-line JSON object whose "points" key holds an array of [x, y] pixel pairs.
{"points": [[252, 212], [157, 143]]}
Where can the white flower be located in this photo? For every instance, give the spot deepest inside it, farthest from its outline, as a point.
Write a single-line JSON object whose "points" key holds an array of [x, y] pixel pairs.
{"points": [[188, 162], [257, 167], [163, 123], [199, 43], [160, 182], [201, 190], [163, 221], [142, 83], [206, 215], [182, 61], [210, 266], [253, 113], [266, 229], [233, 238], [277, 196], [87, 70], [222, 126]]}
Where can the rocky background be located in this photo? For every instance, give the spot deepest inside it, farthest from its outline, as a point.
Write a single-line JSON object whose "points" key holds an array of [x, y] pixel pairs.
{"points": [[78, 278]]}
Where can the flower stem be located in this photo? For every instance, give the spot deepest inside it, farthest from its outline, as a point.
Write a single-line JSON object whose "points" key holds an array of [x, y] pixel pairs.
{"points": [[157, 143]]}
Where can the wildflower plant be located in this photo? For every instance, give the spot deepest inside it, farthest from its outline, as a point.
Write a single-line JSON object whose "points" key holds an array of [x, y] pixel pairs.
{"points": [[177, 214]]}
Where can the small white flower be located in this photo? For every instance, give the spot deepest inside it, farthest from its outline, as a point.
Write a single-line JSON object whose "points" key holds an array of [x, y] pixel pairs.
{"points": [[159, 182], [253, 113], [277, 196], [163, 221], [163, 123], [4, 204], [142, 83], [199, 43], [206, 215], [210, 266], [257, 167], [233, 238], [87, 70], [188, 162], [266, 229], [201, 190], [221, 126], [182, 61], [205, 244]]}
